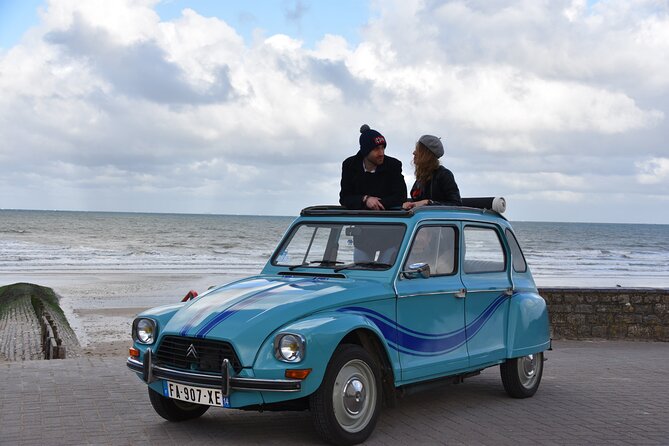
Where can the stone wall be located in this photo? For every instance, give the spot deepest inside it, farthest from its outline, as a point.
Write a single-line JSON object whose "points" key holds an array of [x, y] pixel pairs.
{"points": [[608, 313]]}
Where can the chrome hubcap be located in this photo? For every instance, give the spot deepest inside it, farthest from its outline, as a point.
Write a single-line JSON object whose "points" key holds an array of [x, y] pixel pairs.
{"points": [[354, 396], [528, 367]]}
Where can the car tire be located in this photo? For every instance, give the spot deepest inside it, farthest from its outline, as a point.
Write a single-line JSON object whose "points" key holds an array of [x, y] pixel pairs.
{"points": [[521, 376], [175, 410], [346, 406]]}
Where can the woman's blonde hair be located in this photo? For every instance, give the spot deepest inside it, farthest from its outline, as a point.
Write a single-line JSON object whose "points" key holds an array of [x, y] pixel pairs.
{"points": [[425, 163]]}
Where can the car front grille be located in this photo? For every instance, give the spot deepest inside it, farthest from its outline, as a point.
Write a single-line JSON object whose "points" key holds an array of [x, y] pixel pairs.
{"points": [[203, 355]]}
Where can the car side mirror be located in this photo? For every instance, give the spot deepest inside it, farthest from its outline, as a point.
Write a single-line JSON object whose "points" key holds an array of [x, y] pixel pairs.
{"points": [[417, 270]]}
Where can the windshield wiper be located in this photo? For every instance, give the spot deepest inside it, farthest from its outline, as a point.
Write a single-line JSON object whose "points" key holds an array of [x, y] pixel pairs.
{"points": [[326, 262], [370, 264], [320, 262]]}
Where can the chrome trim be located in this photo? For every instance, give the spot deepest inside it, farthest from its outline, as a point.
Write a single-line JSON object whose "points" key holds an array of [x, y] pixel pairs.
{"points": [[147, 372], [432, 293], [212, 381], [498, 290], [277, 348], [134, 330], [225, 381]]}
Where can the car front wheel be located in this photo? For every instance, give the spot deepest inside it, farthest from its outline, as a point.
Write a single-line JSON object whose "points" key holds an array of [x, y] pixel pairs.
{"points": [[175, 410], [346, 406], [521, 376]]}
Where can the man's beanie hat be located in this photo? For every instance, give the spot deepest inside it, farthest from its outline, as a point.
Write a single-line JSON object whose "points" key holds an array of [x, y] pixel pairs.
{"points": [[369, 139], [433, 144]]}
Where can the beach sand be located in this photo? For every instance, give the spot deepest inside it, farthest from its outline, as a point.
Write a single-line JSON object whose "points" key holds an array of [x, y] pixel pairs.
{"points": [[100, 306]]}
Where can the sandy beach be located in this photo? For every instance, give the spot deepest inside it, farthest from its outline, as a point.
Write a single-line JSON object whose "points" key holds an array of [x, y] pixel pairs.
{"points": [[100, 306]]}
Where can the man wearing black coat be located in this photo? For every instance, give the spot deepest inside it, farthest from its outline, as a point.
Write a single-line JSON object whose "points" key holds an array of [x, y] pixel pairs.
{"points": [[369, 179]]}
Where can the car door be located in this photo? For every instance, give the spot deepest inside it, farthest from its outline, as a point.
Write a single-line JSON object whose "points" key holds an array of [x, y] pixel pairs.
{"points": [[486, 281], [431, 339]]}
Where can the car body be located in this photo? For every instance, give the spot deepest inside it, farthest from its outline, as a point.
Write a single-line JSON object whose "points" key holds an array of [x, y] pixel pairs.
{"points": [[352, 308]]}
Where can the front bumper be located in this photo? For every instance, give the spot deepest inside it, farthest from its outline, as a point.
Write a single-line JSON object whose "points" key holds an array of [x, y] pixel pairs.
{"points": [[225, 381]]}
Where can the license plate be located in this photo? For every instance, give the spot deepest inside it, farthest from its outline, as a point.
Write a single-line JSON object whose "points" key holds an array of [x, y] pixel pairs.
{"points": [[197, 395]]}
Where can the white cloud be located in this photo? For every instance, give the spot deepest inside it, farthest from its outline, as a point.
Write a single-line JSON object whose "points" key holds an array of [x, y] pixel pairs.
{"points": [[555, 101], [653, 171], [126, 21]]}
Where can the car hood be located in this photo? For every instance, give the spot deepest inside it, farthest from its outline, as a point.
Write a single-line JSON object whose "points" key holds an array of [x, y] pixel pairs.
{"points": [[246, 312]]}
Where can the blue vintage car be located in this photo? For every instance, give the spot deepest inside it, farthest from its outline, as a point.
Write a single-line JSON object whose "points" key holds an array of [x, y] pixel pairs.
{"points": [[352, 309]]}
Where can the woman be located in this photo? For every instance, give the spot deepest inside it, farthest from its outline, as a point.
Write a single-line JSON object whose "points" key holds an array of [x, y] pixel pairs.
{"points": [[434, 184]]}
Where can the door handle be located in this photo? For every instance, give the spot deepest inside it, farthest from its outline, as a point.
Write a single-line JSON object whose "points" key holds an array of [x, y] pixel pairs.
{"points": [[461, 294]]}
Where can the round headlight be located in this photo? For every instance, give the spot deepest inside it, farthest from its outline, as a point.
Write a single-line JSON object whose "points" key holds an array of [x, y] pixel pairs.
{"points": [[145, 331], [290, 347]]}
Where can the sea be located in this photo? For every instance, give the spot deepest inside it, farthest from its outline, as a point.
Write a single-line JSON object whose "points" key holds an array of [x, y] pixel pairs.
{"points": [[559, 254]]}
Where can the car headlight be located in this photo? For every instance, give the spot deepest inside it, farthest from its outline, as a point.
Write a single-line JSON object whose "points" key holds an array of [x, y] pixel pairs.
{"points": [[289, 347], [144, 330]]}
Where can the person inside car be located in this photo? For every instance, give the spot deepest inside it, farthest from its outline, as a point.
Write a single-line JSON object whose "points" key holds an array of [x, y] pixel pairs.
{"points": [[370, 179], [434, 183]]}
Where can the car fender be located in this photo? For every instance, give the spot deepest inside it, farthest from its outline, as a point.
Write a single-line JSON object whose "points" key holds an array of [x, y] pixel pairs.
{"points": [[528, 325], [322, 332]]}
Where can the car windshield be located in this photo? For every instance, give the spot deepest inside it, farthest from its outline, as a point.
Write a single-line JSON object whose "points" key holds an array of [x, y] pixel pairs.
{"points": [[341, 246]]}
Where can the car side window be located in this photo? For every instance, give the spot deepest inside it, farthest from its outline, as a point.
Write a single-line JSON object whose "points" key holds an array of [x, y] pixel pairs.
{"points": [[519, 263], [483, 251], [434, 245]]}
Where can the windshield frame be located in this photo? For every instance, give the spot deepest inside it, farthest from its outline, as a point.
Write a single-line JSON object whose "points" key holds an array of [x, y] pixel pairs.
{"points": [[340, 227]]}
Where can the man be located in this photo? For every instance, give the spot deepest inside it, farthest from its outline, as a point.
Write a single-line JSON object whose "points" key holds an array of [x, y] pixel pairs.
{"points": [[369, 179]]}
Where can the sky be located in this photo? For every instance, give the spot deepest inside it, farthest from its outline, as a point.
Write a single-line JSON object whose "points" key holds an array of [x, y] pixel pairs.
{"points": [[250, 107]]}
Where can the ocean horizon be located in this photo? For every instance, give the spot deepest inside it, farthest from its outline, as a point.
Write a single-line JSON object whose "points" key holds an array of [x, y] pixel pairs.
{"points": [[293, 216], [559, 253]]}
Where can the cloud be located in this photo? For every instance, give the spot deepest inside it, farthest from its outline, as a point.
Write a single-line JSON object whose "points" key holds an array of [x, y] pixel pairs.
{"points": [[294, 10], [653, 171], [137, 70], [551, 103]]}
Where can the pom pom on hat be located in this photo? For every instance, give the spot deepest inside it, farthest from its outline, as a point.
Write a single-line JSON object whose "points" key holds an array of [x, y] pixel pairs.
{"points": [[369, 139], [433, 144]]}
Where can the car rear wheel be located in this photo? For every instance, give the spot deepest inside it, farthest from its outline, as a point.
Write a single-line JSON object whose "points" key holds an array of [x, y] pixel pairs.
{"points": [[521, 376], [175, 410], [346, 406]]}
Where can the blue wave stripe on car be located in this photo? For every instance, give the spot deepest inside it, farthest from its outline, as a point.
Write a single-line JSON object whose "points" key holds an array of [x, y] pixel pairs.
{"points": [[204, 331], [477, 324], [208, 305], [415, 343], [392, 322], [436, 346], [392, 335], [400, 339], [385, 325]]}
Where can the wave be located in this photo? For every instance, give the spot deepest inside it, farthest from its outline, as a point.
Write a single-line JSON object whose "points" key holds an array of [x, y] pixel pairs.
{"points": [[14, 231], [42, 241]]}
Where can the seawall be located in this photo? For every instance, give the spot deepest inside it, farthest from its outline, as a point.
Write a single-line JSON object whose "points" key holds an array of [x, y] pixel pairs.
{"points": [[608, 313], [22, 332]]}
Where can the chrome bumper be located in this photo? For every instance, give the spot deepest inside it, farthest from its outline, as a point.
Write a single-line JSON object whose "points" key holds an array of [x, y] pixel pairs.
{"points": [[225, 381]]}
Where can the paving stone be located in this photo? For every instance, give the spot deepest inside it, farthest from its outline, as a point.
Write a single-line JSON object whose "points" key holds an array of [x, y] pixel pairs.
{"points": [[608, 392]]}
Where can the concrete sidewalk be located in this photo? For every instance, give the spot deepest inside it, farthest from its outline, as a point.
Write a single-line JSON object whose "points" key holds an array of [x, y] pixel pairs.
{"points": [[604, 392]]}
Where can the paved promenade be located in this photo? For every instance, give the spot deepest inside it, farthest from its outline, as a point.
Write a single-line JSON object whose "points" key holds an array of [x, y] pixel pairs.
{"points": [[592, 393]]}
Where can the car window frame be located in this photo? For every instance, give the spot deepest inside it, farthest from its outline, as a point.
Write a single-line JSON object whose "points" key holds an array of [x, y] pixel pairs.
{"points": [[500, 239], [512, 241], [456, 247]]}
